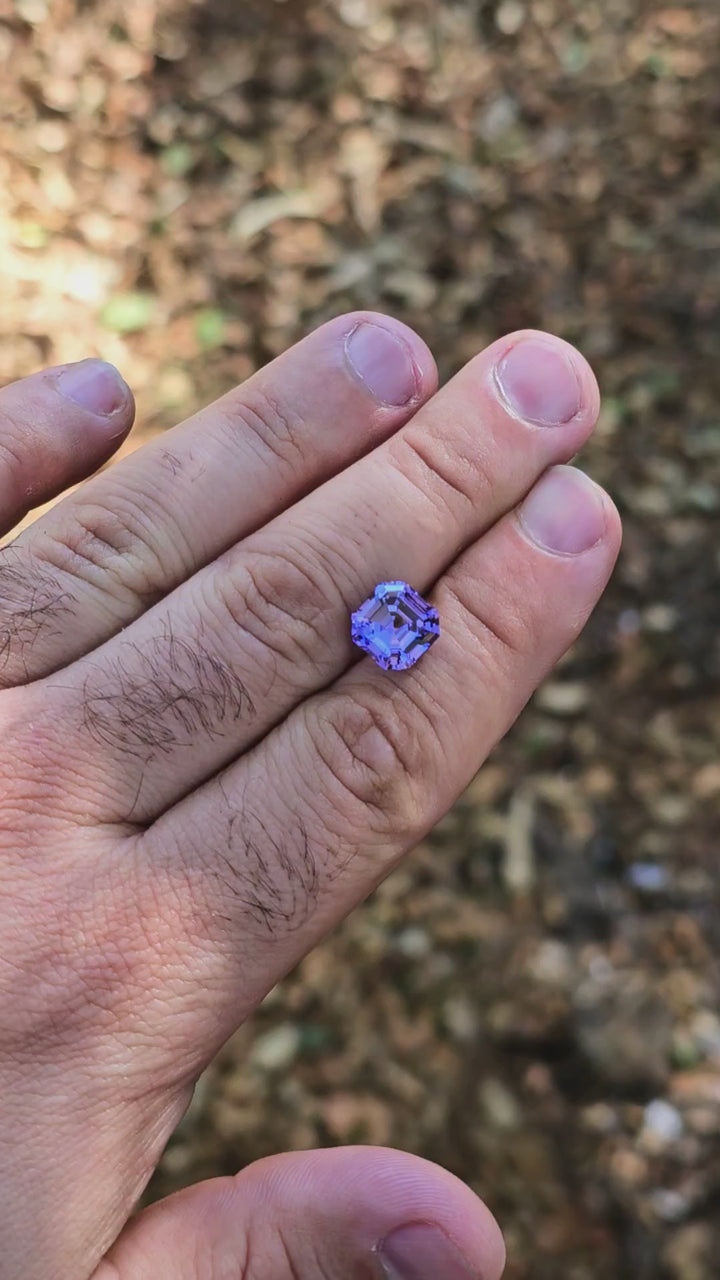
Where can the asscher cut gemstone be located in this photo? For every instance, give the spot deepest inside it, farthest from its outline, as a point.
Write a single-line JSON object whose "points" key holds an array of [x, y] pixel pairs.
{"points": [[395, 626]]}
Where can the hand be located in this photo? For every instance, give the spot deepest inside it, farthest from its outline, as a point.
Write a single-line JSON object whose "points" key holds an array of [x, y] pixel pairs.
{"points": [[199, 780]]}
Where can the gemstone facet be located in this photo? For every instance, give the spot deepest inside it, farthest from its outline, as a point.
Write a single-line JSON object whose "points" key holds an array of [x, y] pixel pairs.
{"points": [[395, 626]]}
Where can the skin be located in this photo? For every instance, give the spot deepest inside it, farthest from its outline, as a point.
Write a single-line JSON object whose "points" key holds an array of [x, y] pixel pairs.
{"points": [[201, 777]]}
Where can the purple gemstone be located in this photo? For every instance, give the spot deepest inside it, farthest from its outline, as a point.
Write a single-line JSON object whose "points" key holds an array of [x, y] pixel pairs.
{"points": [[395, 626]]}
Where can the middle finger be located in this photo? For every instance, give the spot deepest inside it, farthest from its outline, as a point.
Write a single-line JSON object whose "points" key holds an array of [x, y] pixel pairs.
{"points": [[213, 667]]}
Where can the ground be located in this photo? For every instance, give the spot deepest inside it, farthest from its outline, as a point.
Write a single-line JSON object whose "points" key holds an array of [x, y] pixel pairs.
{"points": [[533, 998]]}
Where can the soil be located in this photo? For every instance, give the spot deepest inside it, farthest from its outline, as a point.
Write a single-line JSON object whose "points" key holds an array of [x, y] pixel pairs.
{"points": [[533, 998]]}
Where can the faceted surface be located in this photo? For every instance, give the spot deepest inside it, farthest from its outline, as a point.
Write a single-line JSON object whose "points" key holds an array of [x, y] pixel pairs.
{"points": [[395, 626]]}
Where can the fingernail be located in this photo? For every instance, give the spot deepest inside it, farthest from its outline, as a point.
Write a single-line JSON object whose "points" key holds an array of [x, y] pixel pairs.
{"points": [[539, 383], [383, 362], [565, 512], [423, 1252], [94, 385]]}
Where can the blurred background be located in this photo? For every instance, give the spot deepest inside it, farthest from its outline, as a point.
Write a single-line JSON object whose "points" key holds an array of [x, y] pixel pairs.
{"points": [[186, 188]]}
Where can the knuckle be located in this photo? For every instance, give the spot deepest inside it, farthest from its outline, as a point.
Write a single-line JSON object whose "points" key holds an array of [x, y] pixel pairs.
{"points": [[266, 416], [105, 547], [507, 623], [223, 1258], [13, 460], [370, 745], [284, 601], [448, 473], [300, 1253]]}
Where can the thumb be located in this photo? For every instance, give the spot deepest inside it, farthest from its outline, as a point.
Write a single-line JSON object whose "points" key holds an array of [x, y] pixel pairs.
{"points": [[350, 1213]]}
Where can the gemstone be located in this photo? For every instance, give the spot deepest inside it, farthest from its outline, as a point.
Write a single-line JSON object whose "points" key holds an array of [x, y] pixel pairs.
{"points": [[395, 626]]}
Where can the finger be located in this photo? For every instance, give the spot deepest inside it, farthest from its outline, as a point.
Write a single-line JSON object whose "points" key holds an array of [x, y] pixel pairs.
{"points": [[365, 1212], [55, 428], [210, 670], [132, 534], [260, 863]]}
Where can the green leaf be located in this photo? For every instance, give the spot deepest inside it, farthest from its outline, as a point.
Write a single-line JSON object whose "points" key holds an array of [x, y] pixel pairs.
{"points": [[32, 235], [210, 328], [178, 159], [315, 1038], [128, 312], [656, 65], [576, 56]]}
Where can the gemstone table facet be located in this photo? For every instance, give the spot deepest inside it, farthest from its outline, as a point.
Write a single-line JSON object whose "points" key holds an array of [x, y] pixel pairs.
{"points": [[395, 626]]}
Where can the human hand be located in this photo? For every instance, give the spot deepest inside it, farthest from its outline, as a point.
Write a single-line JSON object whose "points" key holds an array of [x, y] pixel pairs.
{"points": [[199, 780]]}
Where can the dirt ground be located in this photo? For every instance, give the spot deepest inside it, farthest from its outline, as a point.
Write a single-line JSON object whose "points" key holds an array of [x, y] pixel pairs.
{"points": [[533, 999]]}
